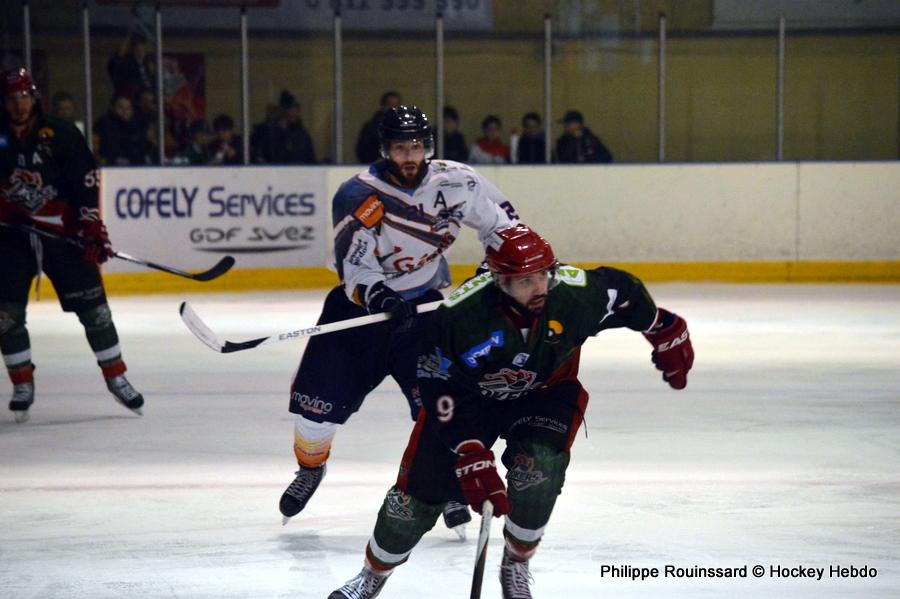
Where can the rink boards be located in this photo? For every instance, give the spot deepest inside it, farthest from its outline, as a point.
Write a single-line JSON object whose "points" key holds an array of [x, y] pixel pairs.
{"points": [[748, 222]]}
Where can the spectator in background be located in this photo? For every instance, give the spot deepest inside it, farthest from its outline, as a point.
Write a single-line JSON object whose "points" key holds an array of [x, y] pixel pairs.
{"points": [[454, 143], [197, 151], [368, 148], [529, 148], [121, 139], [131, 68], [297, 145], [62, 106], [578, 144], [266, 139], [490, 149], [226, 147]]}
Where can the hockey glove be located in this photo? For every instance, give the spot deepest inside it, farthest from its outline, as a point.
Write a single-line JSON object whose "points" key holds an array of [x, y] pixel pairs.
{"points": [[673, 353], [477, 474], [93, 236], [381, 298]]}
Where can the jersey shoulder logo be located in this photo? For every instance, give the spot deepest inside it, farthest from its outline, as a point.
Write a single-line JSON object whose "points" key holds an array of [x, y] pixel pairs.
{"points": [[572, 276], [370, 212], [468, 289]]}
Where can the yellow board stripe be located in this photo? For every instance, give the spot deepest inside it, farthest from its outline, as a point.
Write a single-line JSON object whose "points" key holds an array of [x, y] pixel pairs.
{"points": [[285, 279]]}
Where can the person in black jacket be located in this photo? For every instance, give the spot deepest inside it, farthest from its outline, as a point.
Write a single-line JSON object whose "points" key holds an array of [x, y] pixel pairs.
{"points": [[455, 147], [531, 146], [578, 144], [368, 146]]}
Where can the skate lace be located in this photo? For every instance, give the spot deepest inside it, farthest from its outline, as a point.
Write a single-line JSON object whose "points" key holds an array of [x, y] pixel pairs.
{"points": [[516, 579], [122, 388], [305, 483], [363, 586]]}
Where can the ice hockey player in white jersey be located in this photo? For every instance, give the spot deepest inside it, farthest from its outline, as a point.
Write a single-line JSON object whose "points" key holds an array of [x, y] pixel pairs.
{"points": [[392, 225]]}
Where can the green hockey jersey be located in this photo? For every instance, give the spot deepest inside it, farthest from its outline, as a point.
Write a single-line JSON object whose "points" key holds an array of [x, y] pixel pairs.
{"points": [[47, 176], [473, 353]]}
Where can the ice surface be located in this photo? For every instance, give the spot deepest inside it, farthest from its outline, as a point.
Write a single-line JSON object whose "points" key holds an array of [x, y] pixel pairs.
{"points": [[784, 449]]}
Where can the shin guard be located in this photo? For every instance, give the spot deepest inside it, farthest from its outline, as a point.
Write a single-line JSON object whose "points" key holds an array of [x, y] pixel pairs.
{"points": [[402, 520], [535, 476]]}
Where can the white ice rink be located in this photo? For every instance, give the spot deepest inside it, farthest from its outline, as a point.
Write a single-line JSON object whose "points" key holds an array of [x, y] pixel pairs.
{"points": [[783, 450]]}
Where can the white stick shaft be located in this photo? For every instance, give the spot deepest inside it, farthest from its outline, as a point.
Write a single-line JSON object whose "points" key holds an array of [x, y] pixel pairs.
{"points": [[350, 323]]}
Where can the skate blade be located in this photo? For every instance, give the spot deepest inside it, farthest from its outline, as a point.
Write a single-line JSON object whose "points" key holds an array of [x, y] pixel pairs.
{"points": [[460, 531], [21, 416], [285, 520]]}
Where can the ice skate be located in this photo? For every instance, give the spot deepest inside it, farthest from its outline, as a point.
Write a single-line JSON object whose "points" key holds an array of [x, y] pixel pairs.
{"points": [[456, 515], [295, 497], [23, 397], [125, 394], [515, 578], [365, 585]]}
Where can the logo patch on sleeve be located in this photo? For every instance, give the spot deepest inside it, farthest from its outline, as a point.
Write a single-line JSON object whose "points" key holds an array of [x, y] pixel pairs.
{"points": [[370, 212], [482, 349]]}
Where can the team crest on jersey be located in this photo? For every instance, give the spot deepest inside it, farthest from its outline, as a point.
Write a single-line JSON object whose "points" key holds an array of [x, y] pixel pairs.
{"points": [[482, 349], [448, 216], [523, 475], [396, 505], [508, 383], [27, 189]]}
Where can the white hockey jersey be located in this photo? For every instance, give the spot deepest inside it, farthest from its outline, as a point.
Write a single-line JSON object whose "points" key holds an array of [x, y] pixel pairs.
{"points": [[398, 236]]}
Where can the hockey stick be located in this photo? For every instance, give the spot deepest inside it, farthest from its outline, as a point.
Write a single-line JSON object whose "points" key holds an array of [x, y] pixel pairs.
{"points": [[215, 343], [219, 269], [487, 514]]}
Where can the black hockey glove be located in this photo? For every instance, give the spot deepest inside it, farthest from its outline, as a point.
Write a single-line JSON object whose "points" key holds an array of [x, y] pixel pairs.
{"points": [[381, 298]]}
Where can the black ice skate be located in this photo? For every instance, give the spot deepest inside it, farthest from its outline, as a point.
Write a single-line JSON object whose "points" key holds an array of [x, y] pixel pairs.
{"points": [[514, 578], [456, 515], [295, 497], [22, 398], [125, 394], [365, 585]]}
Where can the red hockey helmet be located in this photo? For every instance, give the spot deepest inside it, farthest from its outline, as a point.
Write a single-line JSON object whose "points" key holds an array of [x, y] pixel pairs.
{"points": [[519, 251], [17, 81]]}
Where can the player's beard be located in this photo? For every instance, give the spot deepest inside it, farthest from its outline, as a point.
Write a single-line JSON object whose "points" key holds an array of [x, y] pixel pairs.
{"points": [[408, 174], [536, 304]]}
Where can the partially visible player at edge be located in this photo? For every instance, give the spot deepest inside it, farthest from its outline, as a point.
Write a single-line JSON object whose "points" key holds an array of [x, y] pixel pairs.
{"points": [[392, 225], [49, 179], [500, 359]]}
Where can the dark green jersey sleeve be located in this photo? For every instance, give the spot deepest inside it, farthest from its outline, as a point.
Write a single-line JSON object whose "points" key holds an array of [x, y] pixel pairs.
{"points": [[618, 299]]}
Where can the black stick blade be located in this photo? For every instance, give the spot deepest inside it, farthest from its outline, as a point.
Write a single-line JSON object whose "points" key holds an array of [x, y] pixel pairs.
{"points": [[219, 269]]}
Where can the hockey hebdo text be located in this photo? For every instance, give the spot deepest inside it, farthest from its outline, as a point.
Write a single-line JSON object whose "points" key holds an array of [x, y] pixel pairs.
{"points": [[773, 571]]}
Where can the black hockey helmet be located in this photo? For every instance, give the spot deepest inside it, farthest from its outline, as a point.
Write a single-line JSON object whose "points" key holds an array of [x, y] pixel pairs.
{"points": [[405, 123]]}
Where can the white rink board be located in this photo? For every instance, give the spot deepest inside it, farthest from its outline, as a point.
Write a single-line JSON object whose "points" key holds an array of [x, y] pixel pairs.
{"points": [[753, 212], [189, 217]]}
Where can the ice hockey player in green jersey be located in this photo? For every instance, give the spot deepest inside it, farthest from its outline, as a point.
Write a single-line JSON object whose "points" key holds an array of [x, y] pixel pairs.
{"points": [[49, 180], [500, 359]]}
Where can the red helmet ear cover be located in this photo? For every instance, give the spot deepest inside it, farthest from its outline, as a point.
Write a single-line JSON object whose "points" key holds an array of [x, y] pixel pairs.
{"points": [[519, 251]]}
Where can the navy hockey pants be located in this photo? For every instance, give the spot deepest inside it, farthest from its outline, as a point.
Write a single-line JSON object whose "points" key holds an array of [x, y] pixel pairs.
{"points": [[338, 370]]}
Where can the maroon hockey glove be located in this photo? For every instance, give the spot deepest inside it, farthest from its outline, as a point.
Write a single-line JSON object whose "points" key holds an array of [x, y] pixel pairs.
{"points": [[381, 298], [479, 480], [92, 234], [673, 353]]}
